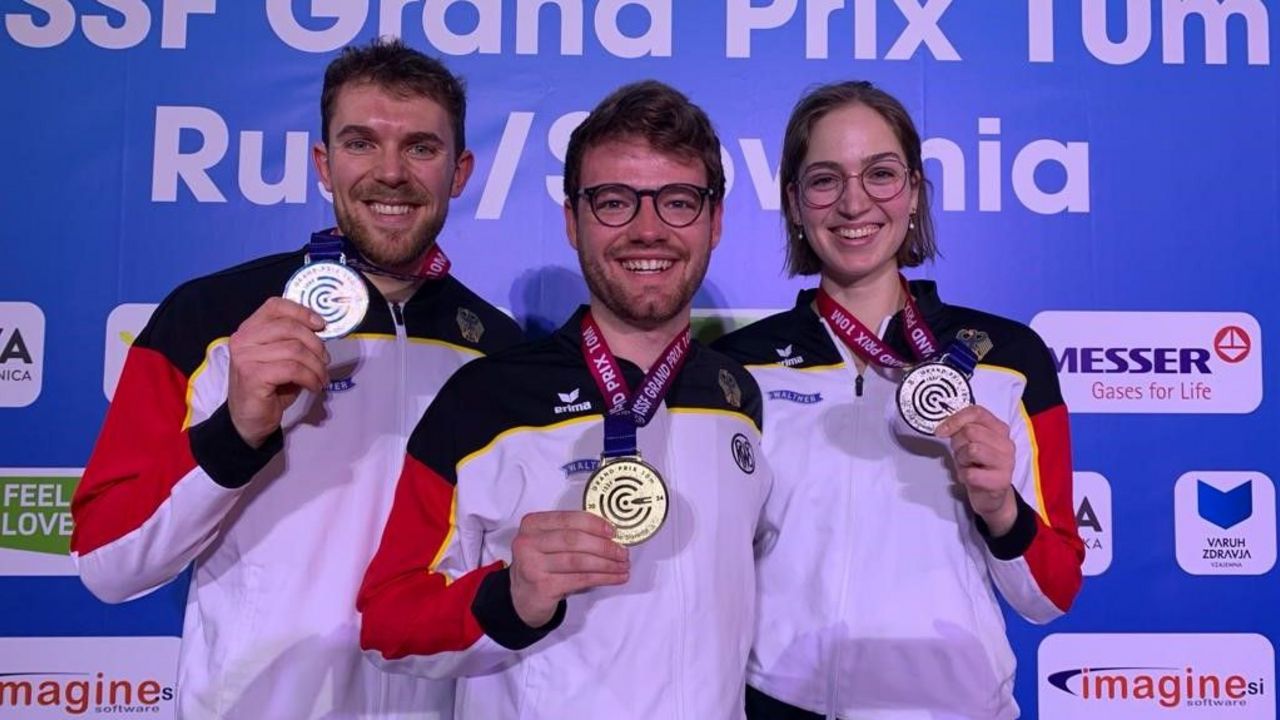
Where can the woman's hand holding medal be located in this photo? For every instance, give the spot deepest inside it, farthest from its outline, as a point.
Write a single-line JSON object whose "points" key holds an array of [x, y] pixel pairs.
{"points": [[984, 455]]}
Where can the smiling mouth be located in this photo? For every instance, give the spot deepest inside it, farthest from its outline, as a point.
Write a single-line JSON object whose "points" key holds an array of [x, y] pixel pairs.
{"points": [[857, 233], [388, 209], [646, 266]]}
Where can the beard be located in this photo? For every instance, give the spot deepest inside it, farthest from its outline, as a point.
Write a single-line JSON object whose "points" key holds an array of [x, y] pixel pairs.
{"points": [[393, 250], [648, 309]]}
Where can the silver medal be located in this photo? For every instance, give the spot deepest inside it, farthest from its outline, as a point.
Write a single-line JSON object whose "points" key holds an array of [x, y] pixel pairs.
{"points": [[334, 291], [931, 393]]}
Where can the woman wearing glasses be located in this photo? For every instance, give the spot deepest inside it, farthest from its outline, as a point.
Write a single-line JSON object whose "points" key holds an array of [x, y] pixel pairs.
{"points": [[920, 449]]}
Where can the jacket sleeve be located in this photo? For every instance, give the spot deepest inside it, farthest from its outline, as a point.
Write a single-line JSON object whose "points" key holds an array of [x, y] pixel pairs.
{"points": [[167, 467], [1036, 565], [430, 605]]}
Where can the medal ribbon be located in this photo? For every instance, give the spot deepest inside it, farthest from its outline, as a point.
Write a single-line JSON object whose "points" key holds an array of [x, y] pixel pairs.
{"points": [[961, 357], [329, 245], [865, 344], [628, 411]]}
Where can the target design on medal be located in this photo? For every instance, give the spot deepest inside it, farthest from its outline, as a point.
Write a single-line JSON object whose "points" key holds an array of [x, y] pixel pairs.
{"points": [[334, 291], [327, 299], [631, 496], [932, 393]]}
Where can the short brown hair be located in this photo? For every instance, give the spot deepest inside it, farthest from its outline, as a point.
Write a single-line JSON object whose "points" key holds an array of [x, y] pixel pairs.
{"points": [[919, 245], [656, 113], [389, 63]]}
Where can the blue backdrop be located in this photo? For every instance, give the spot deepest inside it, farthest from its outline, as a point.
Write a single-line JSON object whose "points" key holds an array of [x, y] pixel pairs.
{"points": [[1112, 165]]}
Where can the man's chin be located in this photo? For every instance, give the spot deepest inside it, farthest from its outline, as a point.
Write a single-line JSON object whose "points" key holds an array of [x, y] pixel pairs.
{"points": [[650, 315], [396, 261], [393, 251]]}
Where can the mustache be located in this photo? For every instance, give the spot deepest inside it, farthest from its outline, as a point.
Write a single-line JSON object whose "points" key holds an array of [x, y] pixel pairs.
{"points": [[672, 253], [406, 196], [401, 199]]}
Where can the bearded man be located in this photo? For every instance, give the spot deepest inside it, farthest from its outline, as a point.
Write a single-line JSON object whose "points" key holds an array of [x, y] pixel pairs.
{"points": [[257, 438], [616, 462]]}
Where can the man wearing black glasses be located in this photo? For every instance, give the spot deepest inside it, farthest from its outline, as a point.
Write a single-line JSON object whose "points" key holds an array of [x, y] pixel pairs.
{"points": [[616, 462]]}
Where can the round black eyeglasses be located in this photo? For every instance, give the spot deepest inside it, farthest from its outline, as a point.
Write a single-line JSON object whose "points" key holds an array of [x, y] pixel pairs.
{"points": [[677, 204]]}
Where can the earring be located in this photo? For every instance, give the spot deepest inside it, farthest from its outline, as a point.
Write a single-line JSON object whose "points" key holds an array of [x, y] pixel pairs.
{"points": [[911, 221]]}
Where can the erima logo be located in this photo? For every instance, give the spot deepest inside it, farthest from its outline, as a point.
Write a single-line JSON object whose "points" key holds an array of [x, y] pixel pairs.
{"points": [[785, 358], [1225, 508], [793, 396], [571, 405]]}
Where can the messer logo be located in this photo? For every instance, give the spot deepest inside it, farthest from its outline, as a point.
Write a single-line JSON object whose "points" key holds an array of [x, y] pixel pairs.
{"points": [[1232, 344]]}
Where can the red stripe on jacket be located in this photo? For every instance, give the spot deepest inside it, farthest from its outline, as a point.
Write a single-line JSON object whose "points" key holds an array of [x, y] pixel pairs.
{"points": [[407, 607], [142, 452], [1057, 550]]}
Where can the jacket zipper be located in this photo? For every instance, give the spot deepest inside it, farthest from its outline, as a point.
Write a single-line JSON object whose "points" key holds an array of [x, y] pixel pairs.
{"points": [[833, 671], [397, 314]]}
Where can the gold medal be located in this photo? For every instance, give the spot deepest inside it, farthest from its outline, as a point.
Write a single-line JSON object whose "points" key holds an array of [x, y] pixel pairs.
{"points": [[630, 494]]}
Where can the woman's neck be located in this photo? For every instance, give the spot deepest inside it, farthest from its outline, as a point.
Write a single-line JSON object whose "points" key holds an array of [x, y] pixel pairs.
{"points": [[871, 298]]}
